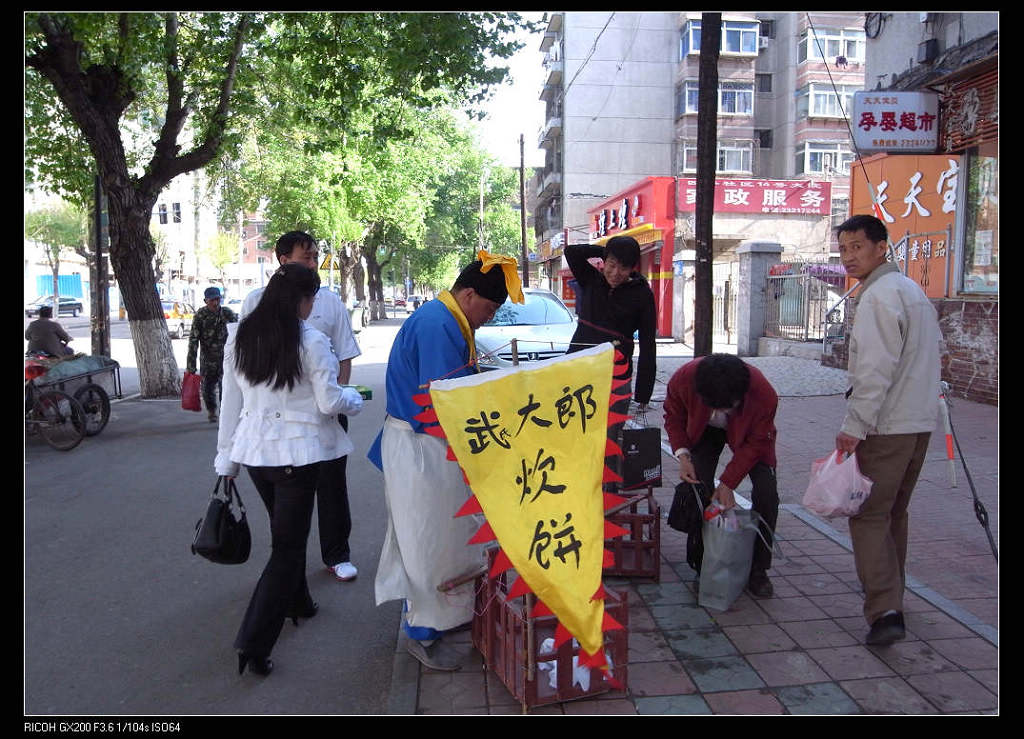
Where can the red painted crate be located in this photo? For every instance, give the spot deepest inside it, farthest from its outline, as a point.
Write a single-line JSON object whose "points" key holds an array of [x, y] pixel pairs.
{"points": [[501, 635], [638, 553]]}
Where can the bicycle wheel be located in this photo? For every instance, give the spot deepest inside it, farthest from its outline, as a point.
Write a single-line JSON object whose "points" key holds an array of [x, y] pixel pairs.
{"points": [[96, 404], [60, 420]]}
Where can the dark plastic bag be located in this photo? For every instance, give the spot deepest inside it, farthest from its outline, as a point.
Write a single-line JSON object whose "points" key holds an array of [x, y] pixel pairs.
{"points": [[688, 504]]}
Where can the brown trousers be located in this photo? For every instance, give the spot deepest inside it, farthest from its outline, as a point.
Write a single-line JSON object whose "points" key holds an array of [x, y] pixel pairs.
{"points": [[879, 530]]}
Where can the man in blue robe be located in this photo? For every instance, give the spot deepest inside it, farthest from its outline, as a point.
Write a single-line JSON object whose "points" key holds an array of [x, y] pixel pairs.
{"points": [[425, 545]]}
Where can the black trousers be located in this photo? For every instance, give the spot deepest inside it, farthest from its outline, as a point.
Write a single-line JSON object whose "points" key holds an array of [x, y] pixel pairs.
{"points": [[288, 494], [764, 500], [333, 515]]}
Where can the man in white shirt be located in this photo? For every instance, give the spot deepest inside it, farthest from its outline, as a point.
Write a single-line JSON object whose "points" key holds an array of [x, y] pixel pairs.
{"points": [[330, 315]]}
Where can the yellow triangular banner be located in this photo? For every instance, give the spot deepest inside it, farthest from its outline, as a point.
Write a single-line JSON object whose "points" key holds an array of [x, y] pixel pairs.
{"points": [[532, 444]]}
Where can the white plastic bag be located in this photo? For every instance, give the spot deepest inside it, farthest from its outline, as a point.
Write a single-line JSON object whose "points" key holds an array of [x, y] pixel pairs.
{"points": [[836, 488]]}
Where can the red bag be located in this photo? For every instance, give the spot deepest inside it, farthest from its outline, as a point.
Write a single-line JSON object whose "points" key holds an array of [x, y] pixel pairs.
{"points": [[190, 392]]}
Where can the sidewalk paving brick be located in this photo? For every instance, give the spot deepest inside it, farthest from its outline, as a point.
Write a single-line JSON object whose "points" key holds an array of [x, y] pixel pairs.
{"points": [[818, 698], [912, 658], [887, 695], [953, 691], [659, 678], [786, 668], [745, 702], [850, 663], [722, 673]]}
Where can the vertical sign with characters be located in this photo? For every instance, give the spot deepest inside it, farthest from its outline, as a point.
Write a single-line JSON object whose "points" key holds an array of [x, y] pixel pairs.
{"points": [[532, 444]]}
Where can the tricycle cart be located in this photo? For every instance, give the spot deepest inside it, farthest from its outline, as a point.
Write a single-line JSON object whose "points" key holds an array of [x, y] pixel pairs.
{"points": [[89, 380]]}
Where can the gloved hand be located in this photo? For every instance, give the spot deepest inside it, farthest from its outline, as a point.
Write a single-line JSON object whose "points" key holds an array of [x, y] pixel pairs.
{"points": [[353, 401]]}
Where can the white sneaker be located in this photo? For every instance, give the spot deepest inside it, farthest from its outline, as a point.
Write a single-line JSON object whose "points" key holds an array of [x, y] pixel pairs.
{"points": [[344, 571]]}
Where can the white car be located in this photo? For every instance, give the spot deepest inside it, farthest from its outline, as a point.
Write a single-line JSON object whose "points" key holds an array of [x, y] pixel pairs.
{"points": [[542, 326]]}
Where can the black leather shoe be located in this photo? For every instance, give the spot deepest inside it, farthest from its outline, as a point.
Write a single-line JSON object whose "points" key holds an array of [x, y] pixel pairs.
{"points": [[886, 630], [258, 665], [759, 585]]}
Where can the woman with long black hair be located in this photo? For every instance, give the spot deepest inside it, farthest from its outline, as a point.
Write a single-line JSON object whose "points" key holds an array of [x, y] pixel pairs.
{"points": [[281, 399]]}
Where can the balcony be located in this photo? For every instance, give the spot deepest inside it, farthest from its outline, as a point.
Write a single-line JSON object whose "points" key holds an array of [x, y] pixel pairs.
{"points": [[550, 185], [553, 65], [549, 38], [554, 23], [547, 92], [549, 132]]}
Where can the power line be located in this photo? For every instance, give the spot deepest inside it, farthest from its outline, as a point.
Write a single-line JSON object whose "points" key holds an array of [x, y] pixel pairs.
{"points": [[585, 61], [846, 118]]}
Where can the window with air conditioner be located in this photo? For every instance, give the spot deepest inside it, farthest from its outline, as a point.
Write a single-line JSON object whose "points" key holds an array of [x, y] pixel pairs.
{"points": [[825, 44], [738, 37]]}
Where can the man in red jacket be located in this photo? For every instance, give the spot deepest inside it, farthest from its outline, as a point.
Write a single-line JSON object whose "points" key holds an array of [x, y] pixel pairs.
{"points": [[717, 400]]}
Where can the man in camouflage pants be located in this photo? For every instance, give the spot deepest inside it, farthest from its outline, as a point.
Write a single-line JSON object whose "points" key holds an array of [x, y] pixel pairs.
{"points": [[210, 331]]}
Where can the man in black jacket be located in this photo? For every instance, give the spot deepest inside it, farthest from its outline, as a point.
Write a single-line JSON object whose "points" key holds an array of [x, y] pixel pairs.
{"points": [[612, 303]]}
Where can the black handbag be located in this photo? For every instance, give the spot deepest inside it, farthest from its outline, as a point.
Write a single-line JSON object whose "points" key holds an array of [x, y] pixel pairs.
{"points": [[688, 504], [221, 536]]}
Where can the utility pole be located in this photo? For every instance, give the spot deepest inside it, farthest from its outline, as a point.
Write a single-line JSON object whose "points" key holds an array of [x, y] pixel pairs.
{"points": [[99, 319], [480, 225], [707, 165], [522, 214]]}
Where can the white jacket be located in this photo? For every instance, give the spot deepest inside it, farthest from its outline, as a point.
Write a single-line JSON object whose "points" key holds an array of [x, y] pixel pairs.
{"points": [[263, 427], [894, 365]]}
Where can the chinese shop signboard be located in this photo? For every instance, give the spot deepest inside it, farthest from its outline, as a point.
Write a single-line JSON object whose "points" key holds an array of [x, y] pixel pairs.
{"points": [[804, 197], [916, 197], [899, 122]]}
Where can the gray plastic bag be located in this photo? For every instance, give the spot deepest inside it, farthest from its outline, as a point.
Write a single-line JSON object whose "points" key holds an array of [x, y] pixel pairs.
{"points": [[728, 554]]}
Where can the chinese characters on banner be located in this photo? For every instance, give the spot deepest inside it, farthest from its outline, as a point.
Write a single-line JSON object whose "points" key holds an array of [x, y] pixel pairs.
{"points": [[761, 196], [896, 121], [532, 444], [915, 198]]}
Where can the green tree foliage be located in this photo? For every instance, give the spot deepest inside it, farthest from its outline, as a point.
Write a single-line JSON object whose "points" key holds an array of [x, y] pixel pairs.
{"points": [[56, 229], [150, 96], [221, 250]]}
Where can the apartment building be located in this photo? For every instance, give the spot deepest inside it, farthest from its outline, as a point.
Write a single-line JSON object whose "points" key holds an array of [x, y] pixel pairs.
{"points": [[609, 122], [786, 82]]}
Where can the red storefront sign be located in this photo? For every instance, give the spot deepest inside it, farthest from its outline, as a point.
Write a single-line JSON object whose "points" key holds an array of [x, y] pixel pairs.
{"points": [[804, 197]]}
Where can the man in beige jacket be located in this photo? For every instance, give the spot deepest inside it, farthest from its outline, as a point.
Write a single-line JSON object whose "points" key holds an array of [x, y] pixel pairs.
{"points": [[891, 411]]}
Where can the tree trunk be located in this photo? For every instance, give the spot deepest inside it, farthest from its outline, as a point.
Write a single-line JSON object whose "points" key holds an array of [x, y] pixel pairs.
{"points": [[707, 165], [131, 253], [375, 284]]}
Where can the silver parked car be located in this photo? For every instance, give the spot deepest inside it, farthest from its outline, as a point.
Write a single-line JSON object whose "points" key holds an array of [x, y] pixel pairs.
{"points": [[542, 326]]}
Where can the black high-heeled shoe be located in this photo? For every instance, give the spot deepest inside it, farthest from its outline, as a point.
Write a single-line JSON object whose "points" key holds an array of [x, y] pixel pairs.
{"points": [[306, 612], [257, 665]]}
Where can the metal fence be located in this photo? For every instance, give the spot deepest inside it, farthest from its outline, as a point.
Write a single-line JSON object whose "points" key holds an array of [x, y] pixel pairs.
{"points": [[723, 315], [797, 298]]}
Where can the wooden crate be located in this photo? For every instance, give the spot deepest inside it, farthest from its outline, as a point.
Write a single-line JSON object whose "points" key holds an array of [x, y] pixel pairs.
{"points": [[501, 635], [638, 553]]}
